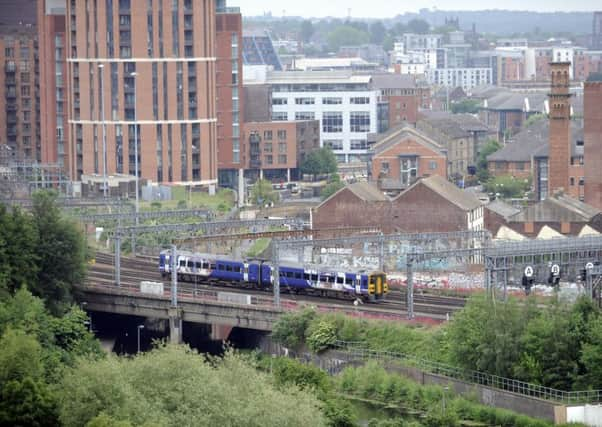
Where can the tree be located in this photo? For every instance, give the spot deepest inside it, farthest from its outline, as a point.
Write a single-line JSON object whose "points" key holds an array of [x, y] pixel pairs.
{"points": [[27, 403], [307, 31], [263, 193], [20, 356], [346, 35], [334, 185], [470, 106], [173, 385], [322, 161], [489, 148], [508, 187], [418, 26], [377, 32], [61, 251]]}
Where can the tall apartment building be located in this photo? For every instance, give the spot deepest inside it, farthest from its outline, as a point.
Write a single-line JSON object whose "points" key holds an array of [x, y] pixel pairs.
{"points": [[144, 68], [19, 92], [53, 75], [593, 140], [560, 120], [597, 31], [466, 78], [230, 94]]}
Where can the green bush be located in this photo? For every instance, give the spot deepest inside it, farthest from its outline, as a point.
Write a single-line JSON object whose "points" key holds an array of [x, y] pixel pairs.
{"points": [[321, 335], [290, 328]]}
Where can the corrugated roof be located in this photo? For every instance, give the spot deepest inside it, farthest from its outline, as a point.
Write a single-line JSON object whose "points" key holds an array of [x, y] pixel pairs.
{"points": [[561, 208], [463, 199], [533, 141], [501, 208]]}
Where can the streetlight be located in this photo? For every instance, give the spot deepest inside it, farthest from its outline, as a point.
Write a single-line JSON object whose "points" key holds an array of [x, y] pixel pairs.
{"points": [[134, 74], [138, 330], [105, 183], [88, 322]]}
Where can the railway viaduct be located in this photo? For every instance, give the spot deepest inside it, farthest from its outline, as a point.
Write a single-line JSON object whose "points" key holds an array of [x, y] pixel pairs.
{"points": [[257, 314]]}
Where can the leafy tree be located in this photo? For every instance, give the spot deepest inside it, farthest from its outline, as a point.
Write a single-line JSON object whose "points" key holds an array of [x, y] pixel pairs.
{"points": [[321, 335], [534, 118], [470, 106], [321, 161], [290, 328], [591, 356], [508, 187], [334, 185], [489, 148], [307, 30], [263, 193], [418, 26], [20, 356], [346, 35], [377, 32], [61, 251], [27, 403], [173, 385]]}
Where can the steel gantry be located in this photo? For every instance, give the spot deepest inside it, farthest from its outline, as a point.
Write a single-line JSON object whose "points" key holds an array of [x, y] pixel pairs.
{"points": [[131, 216], [412, 245]]}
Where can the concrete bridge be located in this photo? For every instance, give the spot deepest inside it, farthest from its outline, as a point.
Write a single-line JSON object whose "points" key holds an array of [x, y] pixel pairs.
{"points": [[226, 310]]}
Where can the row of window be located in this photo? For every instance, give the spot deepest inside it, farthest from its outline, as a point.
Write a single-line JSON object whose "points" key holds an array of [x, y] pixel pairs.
{"points": [[332, 122], [337, 144], [357, 100], [268, 135]]}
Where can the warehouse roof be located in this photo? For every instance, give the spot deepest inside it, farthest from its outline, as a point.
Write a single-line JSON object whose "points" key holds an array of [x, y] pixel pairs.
{"points": [[462, 199], [559, 208]]}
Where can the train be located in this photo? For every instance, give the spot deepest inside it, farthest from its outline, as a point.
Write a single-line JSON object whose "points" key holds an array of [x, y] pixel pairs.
{"points": [[369, 286]]}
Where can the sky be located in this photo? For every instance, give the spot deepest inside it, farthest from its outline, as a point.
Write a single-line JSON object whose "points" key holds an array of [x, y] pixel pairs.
{"points": [[390, 8]]}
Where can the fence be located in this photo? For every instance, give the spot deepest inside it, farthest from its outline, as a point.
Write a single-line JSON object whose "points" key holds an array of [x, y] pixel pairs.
{"points": [[522, 388]]}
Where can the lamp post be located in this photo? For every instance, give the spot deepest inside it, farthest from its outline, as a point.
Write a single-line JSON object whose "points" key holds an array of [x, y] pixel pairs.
{"points": [[140, 327], [105, 183], [134, 74], [88, 322]]}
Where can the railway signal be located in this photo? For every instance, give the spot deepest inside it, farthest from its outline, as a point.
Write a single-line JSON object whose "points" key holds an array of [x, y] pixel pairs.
{"points": [[528, 279]]}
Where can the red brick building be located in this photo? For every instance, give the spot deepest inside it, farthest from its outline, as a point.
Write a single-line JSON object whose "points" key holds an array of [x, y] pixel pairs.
{"points": [[431, 204], [276, 149], [593, 140], [559, 135], [401, 95], [403, 155]]}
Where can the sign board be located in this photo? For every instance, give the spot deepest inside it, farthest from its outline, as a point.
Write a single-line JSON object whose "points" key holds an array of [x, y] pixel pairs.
{"points": [[234, 298], [555, 270], [589, 265], [528, 271], [154, 288]]}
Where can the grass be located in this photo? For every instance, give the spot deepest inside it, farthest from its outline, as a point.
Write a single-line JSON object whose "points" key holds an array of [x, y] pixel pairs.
{"points": [[222, 201], [258, 247]]}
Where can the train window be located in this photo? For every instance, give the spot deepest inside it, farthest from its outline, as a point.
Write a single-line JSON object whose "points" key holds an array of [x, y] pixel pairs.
{"points": [[297, 275], [305, 276], [228, 268], [290, 274], [348, 281], [205, 265], [190, 264], [340, 280], [182, 263], [212, 266], [237, 269], [314, 277], [198, 265]]}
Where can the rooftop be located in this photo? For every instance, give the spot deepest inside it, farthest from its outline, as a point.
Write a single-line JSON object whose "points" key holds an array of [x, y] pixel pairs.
{"points": [[463, 199], [316, 77], [393, 81], [454, 125], [400, 133], [558, 208], [501, 208]]}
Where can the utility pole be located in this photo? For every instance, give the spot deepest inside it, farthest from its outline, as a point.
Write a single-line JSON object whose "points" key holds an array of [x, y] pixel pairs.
{"points": [[105, 183]]}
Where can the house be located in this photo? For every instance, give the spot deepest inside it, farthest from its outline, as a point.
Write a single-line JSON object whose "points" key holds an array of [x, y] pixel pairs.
{"points": [[403, 155]]}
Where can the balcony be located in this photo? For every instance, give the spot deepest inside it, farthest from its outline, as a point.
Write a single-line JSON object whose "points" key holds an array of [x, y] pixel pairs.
{"points": [[10, 67]]}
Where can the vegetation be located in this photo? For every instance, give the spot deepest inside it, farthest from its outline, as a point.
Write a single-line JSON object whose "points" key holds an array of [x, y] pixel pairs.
{"points": [[258, 247], [170, 386], [334, 185], [470, 106], [222, 201], [489, 148], [321, 161], [534, 118], [347, 35], [262, 193], [508, 187]]}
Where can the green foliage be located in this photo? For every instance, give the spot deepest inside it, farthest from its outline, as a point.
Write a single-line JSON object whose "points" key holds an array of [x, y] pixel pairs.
{"points": [[508, 187], [263, 193], [170, 386], [489, 148], [20, 356], [321, 161], [27, 403], [534, 118], [334, 185], [290, 328], [307, 30], [321, 335], [418, 26], [377, 32], [103, 420], [470, 106], [346, 35]]}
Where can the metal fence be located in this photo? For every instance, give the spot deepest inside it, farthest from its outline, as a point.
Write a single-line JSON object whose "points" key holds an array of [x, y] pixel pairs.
{"points": [[358, 351]]}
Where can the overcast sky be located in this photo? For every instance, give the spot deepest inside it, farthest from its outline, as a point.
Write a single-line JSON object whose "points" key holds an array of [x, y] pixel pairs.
{"points": [[390, 8]]}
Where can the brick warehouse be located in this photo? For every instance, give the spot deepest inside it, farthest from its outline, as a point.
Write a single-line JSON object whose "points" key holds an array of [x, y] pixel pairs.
{"points": [[431, 204]]}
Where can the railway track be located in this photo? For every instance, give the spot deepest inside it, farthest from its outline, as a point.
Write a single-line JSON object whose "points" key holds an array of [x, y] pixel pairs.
{"points": [[134, 270]]}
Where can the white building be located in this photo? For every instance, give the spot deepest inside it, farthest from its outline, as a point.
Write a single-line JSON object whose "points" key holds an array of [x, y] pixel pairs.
{"points": [[344, 103], [564, 54], [421, 41], [467, 78]]}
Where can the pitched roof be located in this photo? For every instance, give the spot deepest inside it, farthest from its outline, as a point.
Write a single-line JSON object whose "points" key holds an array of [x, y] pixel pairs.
{"points": [[506, 233], [454, 125], [559, 208], [516, 101], [501, 208], [400, 133], [533, 141], [462, 199], [367, 192]]}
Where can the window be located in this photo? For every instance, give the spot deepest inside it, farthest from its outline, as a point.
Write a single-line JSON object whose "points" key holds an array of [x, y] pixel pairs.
{"points": [[269, 159], [267, 147], [360, 122], [334, 144], [279, 116], [384, 168], [332, 122], [359, 144], [279, 101], [305, 115], [408, 170], [332, 101], [282, 134], [359, 100], [282, 147], [581, 181], [572, 180], [305, 101], [267, 135], [282, 159], [124, 20], [432, 165]]}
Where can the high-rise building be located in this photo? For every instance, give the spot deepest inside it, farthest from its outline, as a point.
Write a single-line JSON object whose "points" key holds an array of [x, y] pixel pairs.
{"points": [[19, 97], [597, 31], [560, 119], [53, 88], [593, 140], [142, 75], [230, 102]]}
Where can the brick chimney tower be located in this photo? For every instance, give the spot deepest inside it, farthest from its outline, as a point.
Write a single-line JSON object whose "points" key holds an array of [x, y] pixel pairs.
{"points": [[560, 120], [592, 156]]}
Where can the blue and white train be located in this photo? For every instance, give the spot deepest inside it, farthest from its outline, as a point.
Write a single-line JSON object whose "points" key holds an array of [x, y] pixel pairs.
{"points": [[328, 282]]}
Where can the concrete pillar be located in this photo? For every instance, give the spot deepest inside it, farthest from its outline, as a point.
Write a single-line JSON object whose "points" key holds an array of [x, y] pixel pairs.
{"points": [[288, 175], [175, 326], [260, 173], [220, 332], [241, 188], [211, 189]]}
